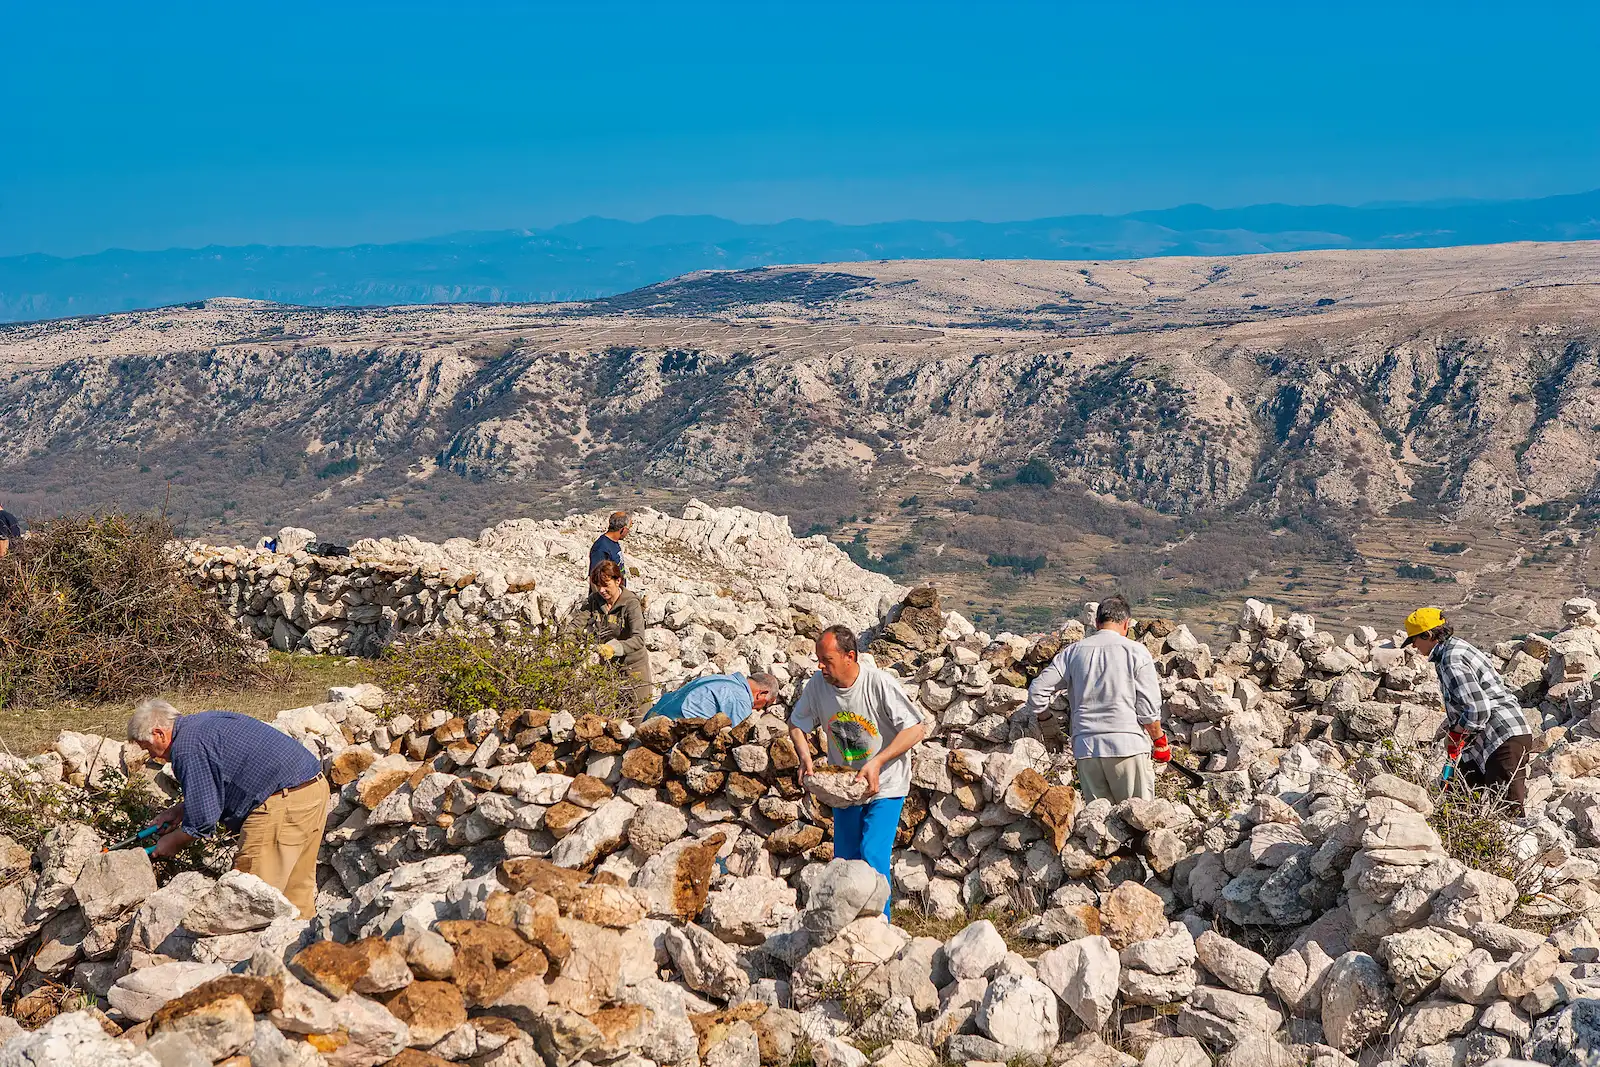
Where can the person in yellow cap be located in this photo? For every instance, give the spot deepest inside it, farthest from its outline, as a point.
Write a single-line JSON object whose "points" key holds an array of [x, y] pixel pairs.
{"points": [[1489, 737]]}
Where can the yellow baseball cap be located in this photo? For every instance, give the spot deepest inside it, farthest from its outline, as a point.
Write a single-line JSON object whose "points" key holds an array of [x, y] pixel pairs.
{"points": [[1421, 621]]}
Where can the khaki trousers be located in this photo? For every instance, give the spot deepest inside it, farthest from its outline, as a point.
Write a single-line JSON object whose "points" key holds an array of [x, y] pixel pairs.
{"points": [[1117, 778], [278, 843]]}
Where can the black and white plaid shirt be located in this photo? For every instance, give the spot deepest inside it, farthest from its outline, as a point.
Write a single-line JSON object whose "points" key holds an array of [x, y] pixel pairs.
{"points": [[1475, 700]]}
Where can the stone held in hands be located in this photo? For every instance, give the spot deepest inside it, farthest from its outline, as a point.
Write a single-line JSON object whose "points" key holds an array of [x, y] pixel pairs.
{"points": [[837, 787]]}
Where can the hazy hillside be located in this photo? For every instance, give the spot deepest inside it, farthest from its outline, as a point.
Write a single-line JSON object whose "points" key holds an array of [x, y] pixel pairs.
{"points": [[1349, 430], [599, 257]]}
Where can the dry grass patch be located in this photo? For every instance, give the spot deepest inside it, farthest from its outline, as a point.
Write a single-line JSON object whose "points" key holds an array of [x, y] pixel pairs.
{"points": [[1006, 921], [291, 681]]}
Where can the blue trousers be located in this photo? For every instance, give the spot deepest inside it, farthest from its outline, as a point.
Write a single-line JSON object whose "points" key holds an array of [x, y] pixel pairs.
{"points": [[866, 832]]}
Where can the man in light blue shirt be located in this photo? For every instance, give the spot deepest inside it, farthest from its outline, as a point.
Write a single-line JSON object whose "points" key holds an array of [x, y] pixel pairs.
{"points": [[732, 695]]}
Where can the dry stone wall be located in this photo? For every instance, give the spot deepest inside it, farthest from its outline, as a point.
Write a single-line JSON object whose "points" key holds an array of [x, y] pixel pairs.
{"points": [[719, 582], [519, 887]]}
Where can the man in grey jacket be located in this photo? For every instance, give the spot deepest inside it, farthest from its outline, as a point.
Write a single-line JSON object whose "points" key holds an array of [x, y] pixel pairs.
{"points": [[1115, 700]]}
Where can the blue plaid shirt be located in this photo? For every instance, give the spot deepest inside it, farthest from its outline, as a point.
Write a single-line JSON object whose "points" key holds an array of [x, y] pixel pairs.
{"points": [[228, 764]]}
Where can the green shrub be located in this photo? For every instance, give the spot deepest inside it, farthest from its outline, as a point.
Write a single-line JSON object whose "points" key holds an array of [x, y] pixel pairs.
{"points": [[339, 468], [547, 668], [1036, 471], [1019, 564]]}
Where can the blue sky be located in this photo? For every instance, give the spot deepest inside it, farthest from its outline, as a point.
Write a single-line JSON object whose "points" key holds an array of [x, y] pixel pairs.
{"points": [[164, 124]]}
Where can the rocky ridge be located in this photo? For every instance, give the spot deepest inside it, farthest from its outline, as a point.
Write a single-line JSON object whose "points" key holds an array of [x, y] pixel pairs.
{"points": [[1459, 380], [520, 887]]}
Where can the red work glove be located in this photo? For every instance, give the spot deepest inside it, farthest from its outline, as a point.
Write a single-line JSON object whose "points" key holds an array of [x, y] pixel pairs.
{"points": [[1456, 740], [1160, 751]]}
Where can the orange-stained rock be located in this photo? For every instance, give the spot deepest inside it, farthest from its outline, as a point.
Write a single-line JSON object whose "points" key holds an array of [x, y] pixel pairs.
{"points": [[375, 787], [531, 872], [563, 816], [742, 789], [644, 765], [589, 792], [610, 905], [430, 1009], [386, 968], [413, 1057], [331, 967], [347, 766], [1130, 913], [711, 1027], [656, 734], [783, 754], [259, 995], [1054, 811], [794, 839]]}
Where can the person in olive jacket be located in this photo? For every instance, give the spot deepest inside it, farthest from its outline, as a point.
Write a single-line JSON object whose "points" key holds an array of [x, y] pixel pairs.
{"points": [[616, 619]]}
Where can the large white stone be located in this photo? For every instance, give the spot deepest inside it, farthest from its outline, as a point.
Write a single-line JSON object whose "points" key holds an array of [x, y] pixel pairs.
{"points": [[1084, 974], [238, 903], [601, 833], [976, 951], [1020, 1012], [845, 891]]}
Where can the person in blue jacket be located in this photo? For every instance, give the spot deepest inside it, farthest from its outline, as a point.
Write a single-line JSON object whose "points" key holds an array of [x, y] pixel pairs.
{"points": [[609, 544], [732, 695]]}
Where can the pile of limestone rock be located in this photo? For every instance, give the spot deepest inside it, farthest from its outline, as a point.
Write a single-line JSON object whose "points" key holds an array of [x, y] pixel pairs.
{"points": [[720, 582], [521, 885]]}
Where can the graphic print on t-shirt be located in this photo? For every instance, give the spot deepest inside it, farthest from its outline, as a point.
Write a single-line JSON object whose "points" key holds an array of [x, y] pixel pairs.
{"points": [[855, 739]]}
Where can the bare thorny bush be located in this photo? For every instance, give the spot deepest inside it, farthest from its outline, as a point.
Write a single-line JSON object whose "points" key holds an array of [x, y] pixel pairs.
{"points": [[551, 667], [116, 807], [1476, 828], [93, 607]]}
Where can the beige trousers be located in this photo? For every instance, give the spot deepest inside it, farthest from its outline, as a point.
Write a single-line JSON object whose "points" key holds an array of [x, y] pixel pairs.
{"points": [[1117, 778], [278, 843]]}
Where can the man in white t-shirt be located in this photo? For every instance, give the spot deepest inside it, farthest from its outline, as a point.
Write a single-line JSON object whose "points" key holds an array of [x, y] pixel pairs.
{"points": [[871, 726]]}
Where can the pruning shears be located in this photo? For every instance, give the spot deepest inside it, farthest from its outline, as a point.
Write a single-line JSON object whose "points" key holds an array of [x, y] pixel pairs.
{"points": [[147, 834], [1455, 743]]}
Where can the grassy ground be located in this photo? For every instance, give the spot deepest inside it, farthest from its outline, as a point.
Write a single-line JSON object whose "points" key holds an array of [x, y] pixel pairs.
{"points": [[298, 681], [1005, 922]]}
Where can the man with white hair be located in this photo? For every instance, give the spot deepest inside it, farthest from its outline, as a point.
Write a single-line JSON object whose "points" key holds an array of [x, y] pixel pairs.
{"points": [[242, 774]]}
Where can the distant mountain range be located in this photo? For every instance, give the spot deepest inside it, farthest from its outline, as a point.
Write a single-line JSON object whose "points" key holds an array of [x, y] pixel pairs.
{"points": [[599, 257]]}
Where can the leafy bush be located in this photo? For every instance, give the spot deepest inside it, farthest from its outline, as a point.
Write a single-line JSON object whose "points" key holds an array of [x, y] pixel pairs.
{"points": [[548, 668], [1421, 572], [97, 607], [1017, 564], [1036, 471], [892, 563], [1447, 548], [339, 468]]}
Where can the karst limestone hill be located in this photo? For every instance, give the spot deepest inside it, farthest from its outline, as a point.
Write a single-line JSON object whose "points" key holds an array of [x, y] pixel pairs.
{"points": [[1461, 381], [520, 887]]}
